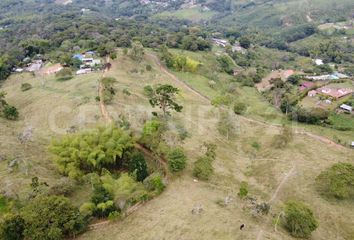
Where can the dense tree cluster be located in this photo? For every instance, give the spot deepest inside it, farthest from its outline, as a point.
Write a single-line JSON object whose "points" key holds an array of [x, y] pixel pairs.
{"points": [[44, 218], [337, 181], [79, 154]]}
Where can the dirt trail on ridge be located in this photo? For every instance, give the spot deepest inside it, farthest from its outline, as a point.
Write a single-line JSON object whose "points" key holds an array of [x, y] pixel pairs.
{"points": [[276, 126]]}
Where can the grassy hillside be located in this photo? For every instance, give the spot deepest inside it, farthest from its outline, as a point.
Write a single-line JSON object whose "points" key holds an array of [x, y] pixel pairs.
{"points": [[237, 160], [270, 14], [54, 107]]}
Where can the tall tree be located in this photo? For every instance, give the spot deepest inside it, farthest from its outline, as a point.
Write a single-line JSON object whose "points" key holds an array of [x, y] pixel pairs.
{"points": [[164, 97]]}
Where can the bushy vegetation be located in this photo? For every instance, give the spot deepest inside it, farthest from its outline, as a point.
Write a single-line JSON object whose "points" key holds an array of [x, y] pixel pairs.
{"points": [[113, 195], [152, 134], [203, 168], [177, 160], [64, 74], [137, 165], [25, 87], [337, 181], [154, 183], [283, 139], [79, 154], [109, 91], [311, 116], [299, 220], [7, 111], [179, 63], [243, 192], [12, 227], [45, 217], [240, 108]]}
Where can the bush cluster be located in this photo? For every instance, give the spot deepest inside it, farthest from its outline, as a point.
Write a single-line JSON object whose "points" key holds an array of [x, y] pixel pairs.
{"points": [[203, 168], [337, 181], [299, 220]]}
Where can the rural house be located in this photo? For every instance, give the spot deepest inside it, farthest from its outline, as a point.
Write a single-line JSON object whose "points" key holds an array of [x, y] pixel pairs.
{"points": [[335, 93]]}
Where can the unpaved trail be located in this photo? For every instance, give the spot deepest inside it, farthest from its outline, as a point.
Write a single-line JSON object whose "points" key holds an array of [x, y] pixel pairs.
{"points": [[108, 119], [103, 108], [276, 126], [274, 197], [265, 124]]}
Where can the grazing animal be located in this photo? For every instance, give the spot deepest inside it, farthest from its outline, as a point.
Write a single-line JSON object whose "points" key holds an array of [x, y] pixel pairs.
{"points": [[242, 226]]}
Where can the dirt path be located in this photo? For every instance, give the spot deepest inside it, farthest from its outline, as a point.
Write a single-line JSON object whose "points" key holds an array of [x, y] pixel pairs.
{"points": [[108, 119], [206, 98], [103, 108]]}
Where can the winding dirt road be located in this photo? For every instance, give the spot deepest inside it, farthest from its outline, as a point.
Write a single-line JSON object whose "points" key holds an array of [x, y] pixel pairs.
{"points": [[206, 98]]}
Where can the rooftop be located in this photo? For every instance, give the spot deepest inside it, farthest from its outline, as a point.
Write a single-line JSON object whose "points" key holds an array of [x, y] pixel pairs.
{"points": [[335, 92]]}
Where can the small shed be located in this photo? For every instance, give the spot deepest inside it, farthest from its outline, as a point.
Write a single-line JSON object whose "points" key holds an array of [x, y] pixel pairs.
{"points": [[346, 108]]}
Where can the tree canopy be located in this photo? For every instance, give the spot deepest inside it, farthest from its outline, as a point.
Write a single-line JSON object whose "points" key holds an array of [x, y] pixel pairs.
{"points": [[104, 147], [164, 97]]}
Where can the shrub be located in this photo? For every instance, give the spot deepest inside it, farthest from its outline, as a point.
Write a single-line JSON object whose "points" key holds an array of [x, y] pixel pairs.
{"points": [[152, 134], [87, 209], [299, 220], [104, 209], [154, 183], [12, 227], [100, 194], [64, 186], [137, 165], [64, 74], [313, 116], [283, 139], [294, 79], [243, 192], [25, 87], [51, 217], [148, 91], [337, 181], [182, 132], [148, 68], [221, 100], [109, 91], [203, 168], [176, 160], [239, 108], [126, 92], [113, 55], [10, 112]]}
